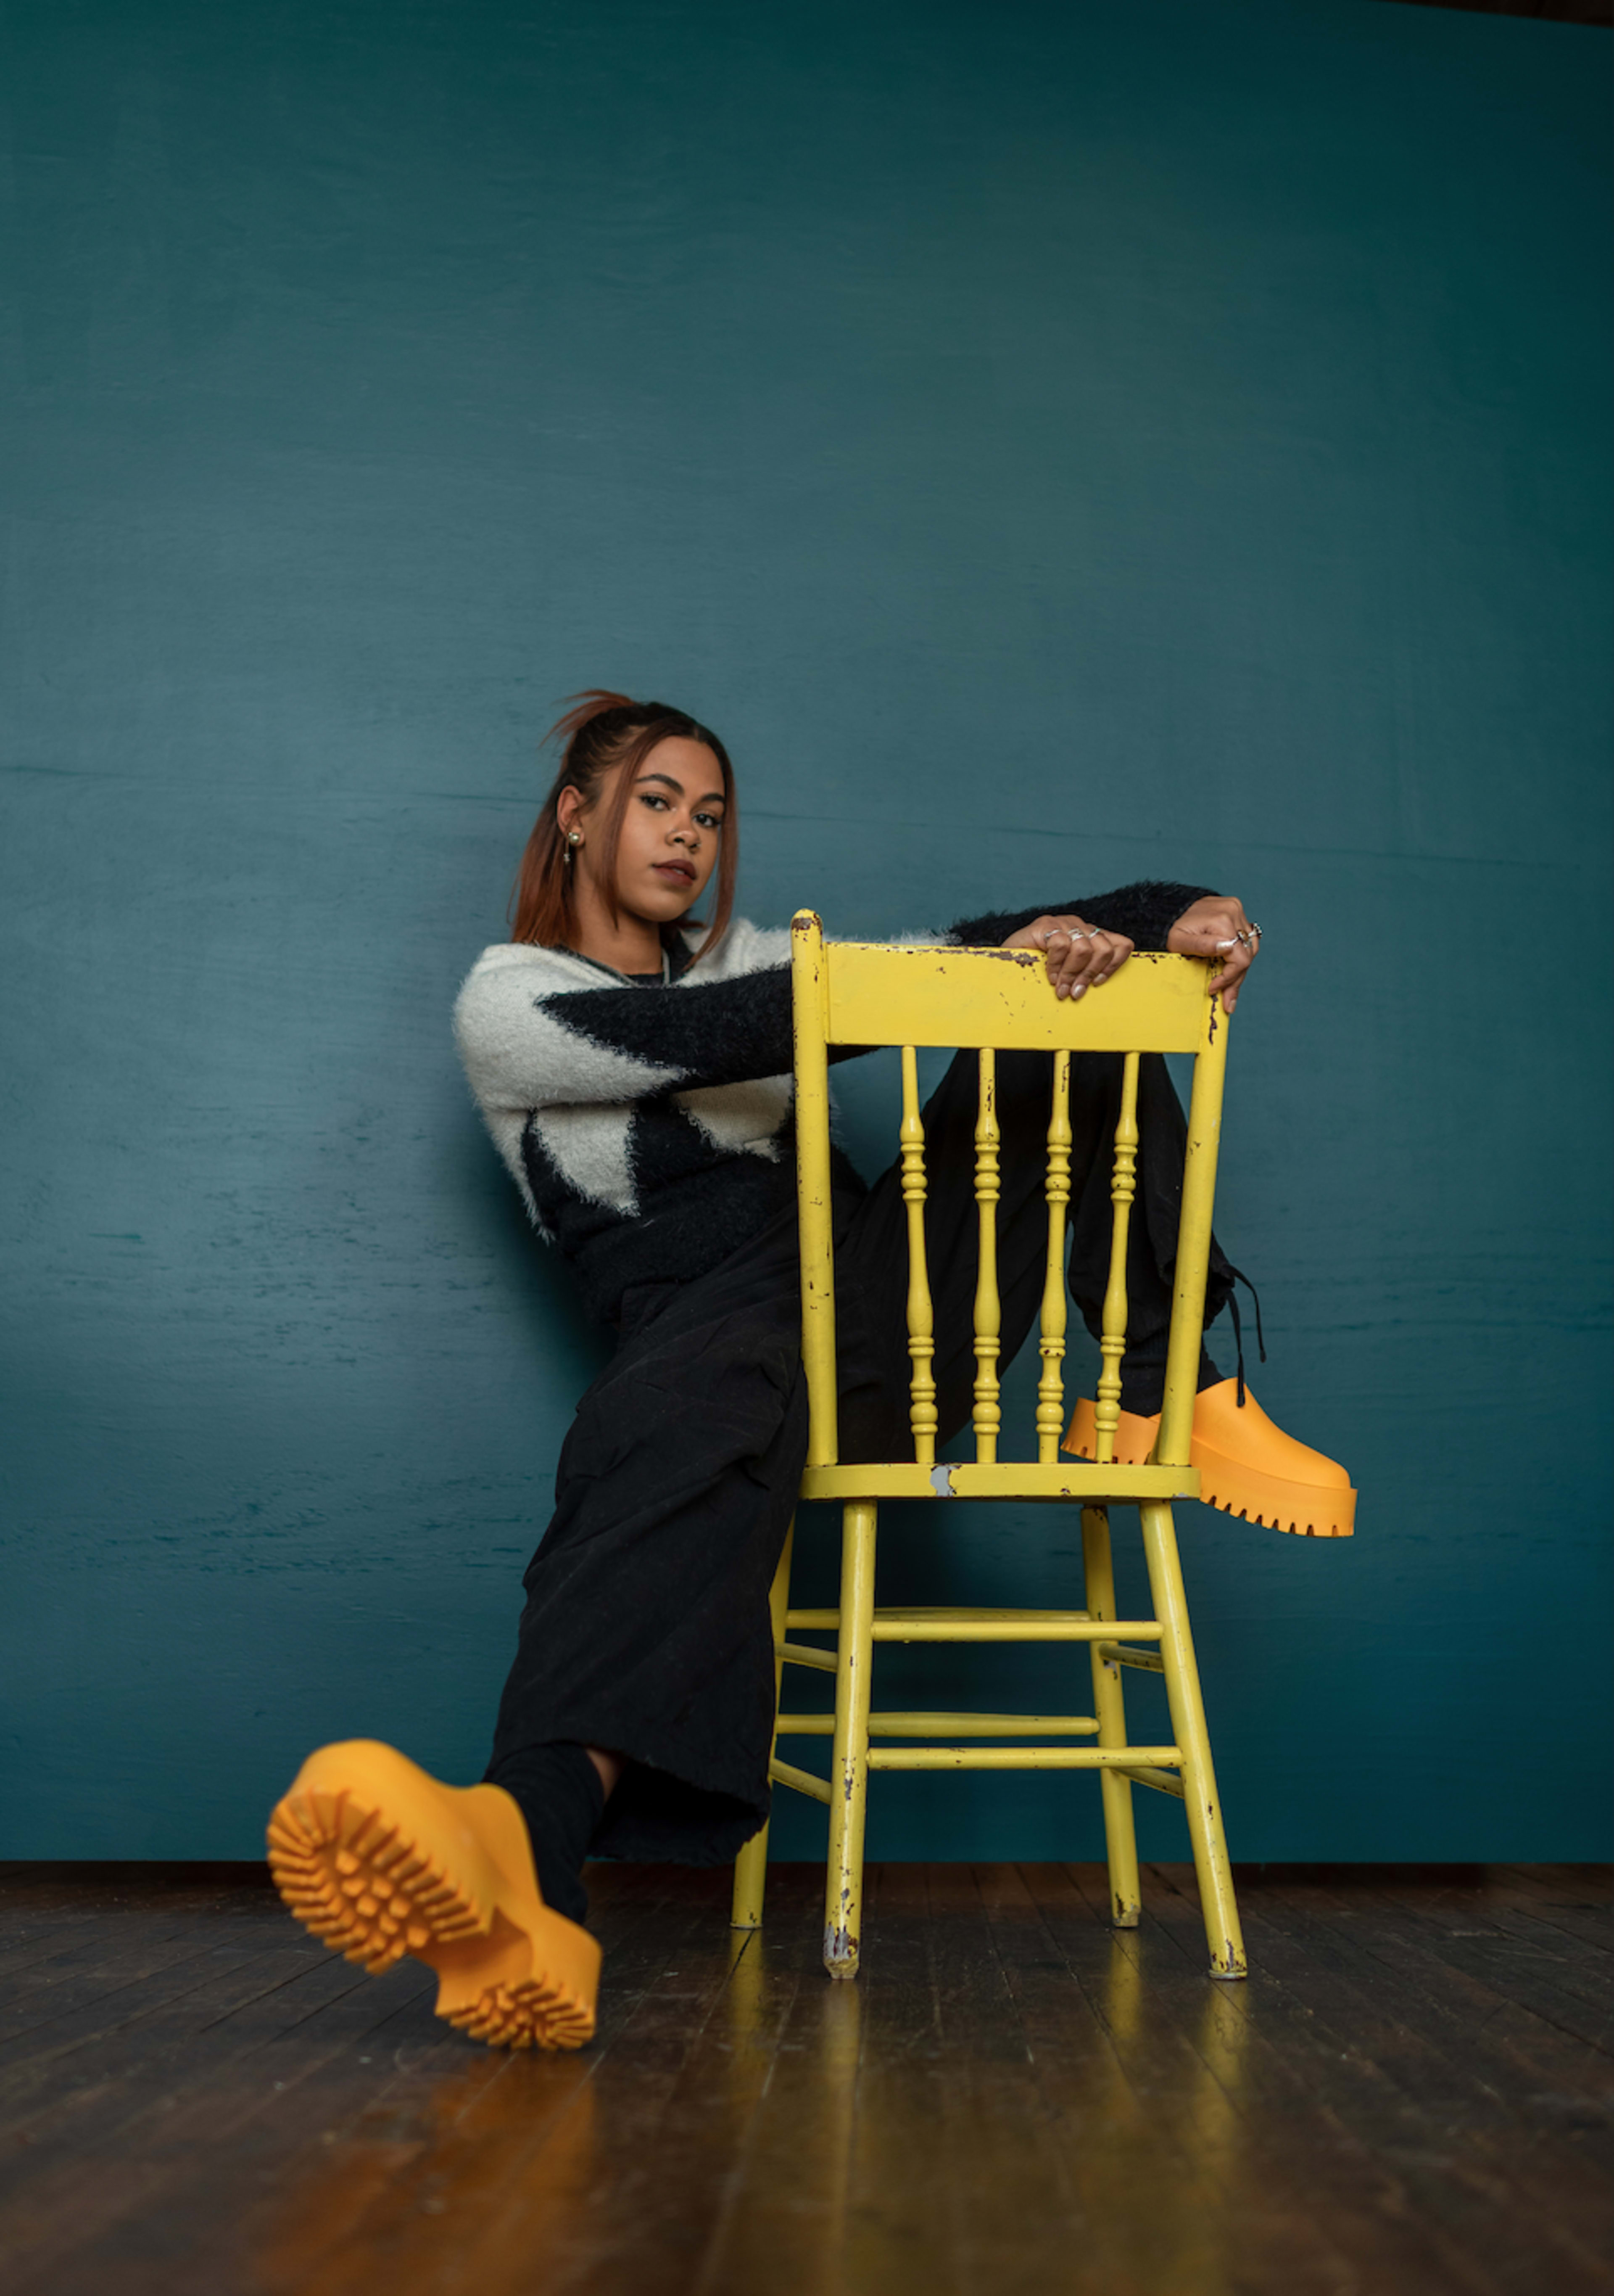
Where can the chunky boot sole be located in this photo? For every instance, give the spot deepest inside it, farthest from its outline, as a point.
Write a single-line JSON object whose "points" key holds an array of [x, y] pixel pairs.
{"points": [[1238, 1489], [380, 1860], [1241, 1487]]}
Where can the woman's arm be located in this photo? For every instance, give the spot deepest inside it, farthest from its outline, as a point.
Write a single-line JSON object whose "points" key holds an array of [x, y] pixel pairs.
{"points": [[1143, 914], [1093, 937], [523, 1049]]}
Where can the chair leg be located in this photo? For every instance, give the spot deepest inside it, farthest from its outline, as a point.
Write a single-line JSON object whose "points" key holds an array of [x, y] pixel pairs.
{"points": [[849, 1770], [750, 1882], [750, 1867], [1109, 1707], [1200, 1798]]}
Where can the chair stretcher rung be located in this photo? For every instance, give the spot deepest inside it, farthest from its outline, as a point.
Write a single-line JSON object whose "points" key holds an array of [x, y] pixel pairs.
{"points": [[1021, 1758], [961, 1626], [803, 1654], [974, 1626], [1149, 1661], [786, 1773], [956, 1726], [1162, 1781]]}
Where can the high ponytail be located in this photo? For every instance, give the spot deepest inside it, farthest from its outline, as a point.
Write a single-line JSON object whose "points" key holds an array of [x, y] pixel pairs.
{"points": [[601, 732]]}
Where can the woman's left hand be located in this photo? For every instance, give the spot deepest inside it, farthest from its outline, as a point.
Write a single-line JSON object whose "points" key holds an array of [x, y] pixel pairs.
{"points": [[1217, 927], [1079, 956]]}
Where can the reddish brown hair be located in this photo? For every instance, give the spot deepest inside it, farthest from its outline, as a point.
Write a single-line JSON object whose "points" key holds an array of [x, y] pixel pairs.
{"points": [[601, 732]]}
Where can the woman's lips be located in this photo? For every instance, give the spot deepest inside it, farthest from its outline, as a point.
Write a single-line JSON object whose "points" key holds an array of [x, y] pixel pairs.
{"points": [[679, 871]]}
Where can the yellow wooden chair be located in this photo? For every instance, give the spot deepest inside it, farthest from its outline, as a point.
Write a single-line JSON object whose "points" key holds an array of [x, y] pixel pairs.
{"points": [[856, 993]]}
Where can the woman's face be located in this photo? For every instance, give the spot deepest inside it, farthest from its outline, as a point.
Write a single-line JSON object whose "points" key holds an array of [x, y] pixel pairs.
{"points": [[671, 831]]}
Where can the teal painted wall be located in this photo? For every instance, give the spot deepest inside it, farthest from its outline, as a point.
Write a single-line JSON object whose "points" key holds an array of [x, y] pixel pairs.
{"points": [[1053, 443]]}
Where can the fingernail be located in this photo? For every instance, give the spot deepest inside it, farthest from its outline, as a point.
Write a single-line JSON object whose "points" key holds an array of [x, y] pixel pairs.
{"points": [[1082, 991]]}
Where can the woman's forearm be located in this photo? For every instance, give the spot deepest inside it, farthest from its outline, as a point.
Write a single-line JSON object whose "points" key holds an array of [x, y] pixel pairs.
{"points": [[607, 1044], [1145, 911]]}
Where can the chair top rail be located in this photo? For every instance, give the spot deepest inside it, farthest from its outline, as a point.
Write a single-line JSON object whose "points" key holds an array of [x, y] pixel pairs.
{"points": [[966, 998]]}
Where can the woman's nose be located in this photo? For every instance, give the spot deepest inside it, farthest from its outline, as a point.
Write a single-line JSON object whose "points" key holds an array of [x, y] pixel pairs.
{"points": [[685, 833]]}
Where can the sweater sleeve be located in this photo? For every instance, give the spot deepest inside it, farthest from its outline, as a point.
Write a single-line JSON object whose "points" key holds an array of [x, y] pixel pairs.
{"points": [[1145, 913], [524, 1051]]}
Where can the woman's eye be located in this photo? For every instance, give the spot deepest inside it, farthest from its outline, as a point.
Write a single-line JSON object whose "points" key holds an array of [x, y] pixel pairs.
{"points": [[709, 820], [650, 799]]}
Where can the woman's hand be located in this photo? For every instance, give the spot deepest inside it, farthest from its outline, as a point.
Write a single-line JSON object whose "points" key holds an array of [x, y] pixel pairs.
{"points": [[1217, 927], [1079, 956]]}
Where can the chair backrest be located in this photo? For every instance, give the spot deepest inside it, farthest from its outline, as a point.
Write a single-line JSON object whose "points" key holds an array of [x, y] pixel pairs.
{"points": [[991, 1000]]}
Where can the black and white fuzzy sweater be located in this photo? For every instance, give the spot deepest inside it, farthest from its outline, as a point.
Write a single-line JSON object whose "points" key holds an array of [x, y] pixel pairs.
{"points": [[649, 1129]]}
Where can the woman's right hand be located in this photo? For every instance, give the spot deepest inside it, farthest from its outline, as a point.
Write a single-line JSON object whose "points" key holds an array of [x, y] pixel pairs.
{"points": [[1079, 956]]}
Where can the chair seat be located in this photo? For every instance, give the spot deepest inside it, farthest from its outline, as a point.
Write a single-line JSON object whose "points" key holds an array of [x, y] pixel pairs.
{"points": [[1003, 1479]]}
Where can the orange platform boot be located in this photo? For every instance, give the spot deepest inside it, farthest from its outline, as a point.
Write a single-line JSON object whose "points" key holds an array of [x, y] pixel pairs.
{"points": [[380, 1860], [1247, 1466]]}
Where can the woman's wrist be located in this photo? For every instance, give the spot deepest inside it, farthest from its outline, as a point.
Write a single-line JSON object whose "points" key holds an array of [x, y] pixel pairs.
{"points": [[1217, 927]]}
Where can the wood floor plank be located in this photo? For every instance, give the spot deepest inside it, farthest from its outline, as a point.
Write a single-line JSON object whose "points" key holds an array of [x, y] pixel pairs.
{"points": [[899, 2231], [1014, 2203], [1507, 2043], [183, 2040], [1595, 1882], [559, 2153], [113, 2001], [107, 1942], [211, 2060], [1467, 2081], [1346, 2140], [1015, 2100], [108, 2205], [1391, 2088], [378, 2143], [783, 2225], [1586, 1892], [1563, 1965], [1128, 2116]]}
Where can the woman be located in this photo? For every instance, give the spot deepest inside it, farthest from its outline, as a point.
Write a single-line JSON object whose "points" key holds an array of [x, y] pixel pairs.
{"points": [[633, 1065]]}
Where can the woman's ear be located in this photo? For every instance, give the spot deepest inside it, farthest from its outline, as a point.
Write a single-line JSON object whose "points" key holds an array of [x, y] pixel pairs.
{"points": [[569, 805]]}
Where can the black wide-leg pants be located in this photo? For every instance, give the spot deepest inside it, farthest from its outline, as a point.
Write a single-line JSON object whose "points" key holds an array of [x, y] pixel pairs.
{"points": [[646, 1627]]}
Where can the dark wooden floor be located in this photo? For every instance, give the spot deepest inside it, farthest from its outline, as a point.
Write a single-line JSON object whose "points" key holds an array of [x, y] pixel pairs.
{"points": [[1562, 11], [1412, 2093]]}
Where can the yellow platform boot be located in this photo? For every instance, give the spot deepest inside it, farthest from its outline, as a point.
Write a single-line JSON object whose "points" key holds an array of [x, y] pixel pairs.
{"points": [[380, 1860], [1247, 1466]]}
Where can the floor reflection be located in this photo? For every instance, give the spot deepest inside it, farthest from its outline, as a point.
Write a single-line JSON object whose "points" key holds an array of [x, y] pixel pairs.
{"points": [[734, 2132], [1217, 2233], [464, 2179], [794, 2041], [1148, 2119]]}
